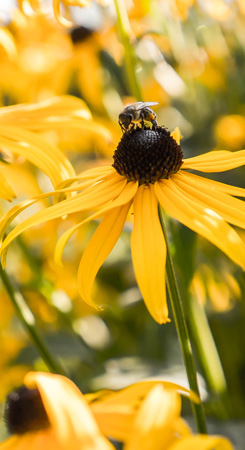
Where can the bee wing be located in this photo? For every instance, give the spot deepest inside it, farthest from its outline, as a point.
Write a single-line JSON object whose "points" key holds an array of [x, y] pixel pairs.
{"points": [[142, 105]]}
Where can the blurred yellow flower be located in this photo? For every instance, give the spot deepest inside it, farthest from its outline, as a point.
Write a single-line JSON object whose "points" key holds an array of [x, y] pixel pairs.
{"points": [[35, 6], [148, 171], [218, 289], [19, 125], [230, 131], [54, 413]]}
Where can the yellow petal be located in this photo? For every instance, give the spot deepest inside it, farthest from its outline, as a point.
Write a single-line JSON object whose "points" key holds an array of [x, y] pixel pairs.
{"points": [[203, 443], [216, 161], [200, 219], [115, 411], [8, 44], [38, 151], [176, 134], [124, 197], [61, 19], [211, 184], [97, 195], [135, 393], [149, 253], [53, 113], [229, 208], [152, 427], [6, 191], [68, 412], [98, 248]]}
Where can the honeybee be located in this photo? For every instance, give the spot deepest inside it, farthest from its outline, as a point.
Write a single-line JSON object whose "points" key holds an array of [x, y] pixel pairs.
{"points": [[137, 112]]}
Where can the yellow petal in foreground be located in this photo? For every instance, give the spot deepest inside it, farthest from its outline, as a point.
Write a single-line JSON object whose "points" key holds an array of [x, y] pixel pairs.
{"points": [[69, 415], [153, 426], [115, 411], [215, 161], [202, 443], [149, 253], [200, 219], [98, 248]]}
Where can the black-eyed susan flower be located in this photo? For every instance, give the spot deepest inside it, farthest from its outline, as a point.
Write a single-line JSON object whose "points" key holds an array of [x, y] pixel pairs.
{"points": [[148, 171], [50, 410]]}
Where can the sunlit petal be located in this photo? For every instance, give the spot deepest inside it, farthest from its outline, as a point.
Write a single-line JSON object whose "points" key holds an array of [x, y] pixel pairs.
{"points": [[149, 253], [91, 198], [98, 248], [52, 113], [215, 161], [211, 184], [124, 197], [200, 219], [229, 208], [68, 412], [202, 443], [153, 424], [38, 151]]}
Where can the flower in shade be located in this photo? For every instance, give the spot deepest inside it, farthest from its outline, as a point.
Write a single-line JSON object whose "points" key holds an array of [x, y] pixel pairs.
{"points": [[49, 410], [148, 171]]}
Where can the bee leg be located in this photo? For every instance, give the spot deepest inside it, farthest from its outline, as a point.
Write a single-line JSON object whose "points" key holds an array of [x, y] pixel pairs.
{"points": [[121, 126], [154, 123], [142, 120]]}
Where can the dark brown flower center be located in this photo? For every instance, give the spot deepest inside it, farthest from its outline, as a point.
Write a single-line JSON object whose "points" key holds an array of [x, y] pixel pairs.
{"points": [[24, 411], [147, 155]]}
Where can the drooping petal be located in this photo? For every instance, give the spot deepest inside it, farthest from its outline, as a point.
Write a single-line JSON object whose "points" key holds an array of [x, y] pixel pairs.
{"points": [[200, 219], [211, 184], [38, 151], [135, 393], [215, 161], [149, 253], [68, 412], [202, 443], [91, 198], [153, 425], [124, 197], [229, 208], [98, 248]]}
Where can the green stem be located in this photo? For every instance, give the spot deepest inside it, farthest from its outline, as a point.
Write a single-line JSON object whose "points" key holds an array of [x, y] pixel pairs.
{"points": [[29, 322], [130, 59], [183, 334]]}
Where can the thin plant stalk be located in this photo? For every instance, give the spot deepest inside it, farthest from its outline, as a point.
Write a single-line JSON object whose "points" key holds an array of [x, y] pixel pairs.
{"points": [[183, 333], [129, 54], [29, 322]]}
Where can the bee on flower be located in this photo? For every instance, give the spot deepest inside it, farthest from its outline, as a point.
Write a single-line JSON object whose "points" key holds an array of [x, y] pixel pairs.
{"points": [[148, 171]]}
